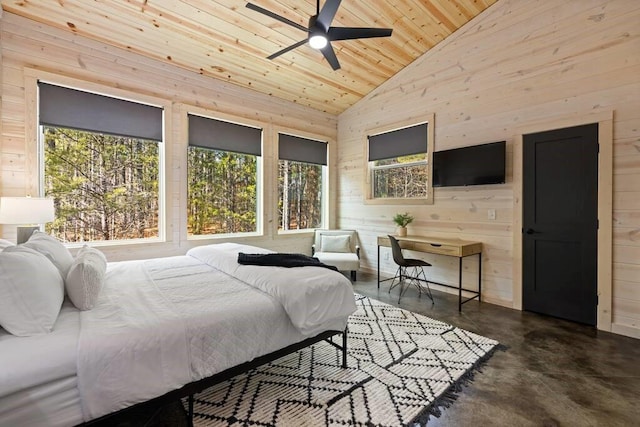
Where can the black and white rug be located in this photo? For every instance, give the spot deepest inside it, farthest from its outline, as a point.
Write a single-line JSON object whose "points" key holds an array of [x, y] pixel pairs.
{"points": [[402, 368]]}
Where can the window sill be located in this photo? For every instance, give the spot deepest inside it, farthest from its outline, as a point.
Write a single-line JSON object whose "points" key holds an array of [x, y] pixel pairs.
{"points": [[297, 232], [223, 236], [399, 201]]}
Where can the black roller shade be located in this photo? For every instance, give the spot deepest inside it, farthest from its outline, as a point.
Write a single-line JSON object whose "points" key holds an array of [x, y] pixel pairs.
{"points": [[76, 109], [302, 149], [224, 136], [401, 142]]}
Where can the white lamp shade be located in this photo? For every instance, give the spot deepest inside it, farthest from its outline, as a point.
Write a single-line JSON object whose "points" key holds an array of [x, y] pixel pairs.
{"points": [[26, 210]]}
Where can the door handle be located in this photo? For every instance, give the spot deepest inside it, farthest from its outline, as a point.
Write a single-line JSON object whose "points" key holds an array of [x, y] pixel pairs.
{"points": [[530, 231]]}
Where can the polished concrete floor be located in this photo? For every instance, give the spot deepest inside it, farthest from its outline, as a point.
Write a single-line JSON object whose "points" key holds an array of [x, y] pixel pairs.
{"points": [[553, 372]]}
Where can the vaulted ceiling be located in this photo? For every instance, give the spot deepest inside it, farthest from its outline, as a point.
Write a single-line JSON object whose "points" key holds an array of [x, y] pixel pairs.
{"points": [[225, 40]]}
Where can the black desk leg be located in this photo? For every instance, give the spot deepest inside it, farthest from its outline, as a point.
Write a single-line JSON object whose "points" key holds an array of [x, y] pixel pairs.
{"points": [[479, 277], [460, 284], [378, 266]]}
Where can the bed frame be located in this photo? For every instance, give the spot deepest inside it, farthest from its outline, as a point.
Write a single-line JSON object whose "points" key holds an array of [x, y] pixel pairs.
{"points": [[195, 387]]}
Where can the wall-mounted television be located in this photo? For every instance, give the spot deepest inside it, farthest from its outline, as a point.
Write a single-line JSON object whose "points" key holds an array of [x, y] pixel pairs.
{"points": [[475, 165]]}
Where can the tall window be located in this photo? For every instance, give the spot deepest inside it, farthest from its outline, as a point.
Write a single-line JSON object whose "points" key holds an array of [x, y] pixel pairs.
{"points": [[101, 159], [223, 166], [398, 164], [301, 175]]}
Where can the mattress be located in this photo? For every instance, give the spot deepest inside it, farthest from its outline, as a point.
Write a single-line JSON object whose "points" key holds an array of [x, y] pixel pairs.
{"points": [[158, 325], [38, 382]]}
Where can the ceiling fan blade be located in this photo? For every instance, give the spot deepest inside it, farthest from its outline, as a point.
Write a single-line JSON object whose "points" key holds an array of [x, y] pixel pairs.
{"points": [[278, 17], [287, 49], [328, 12], [330, 56], [349, 33]]}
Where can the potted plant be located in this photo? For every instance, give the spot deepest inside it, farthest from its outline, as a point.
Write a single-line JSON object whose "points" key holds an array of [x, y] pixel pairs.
{"points": [[402, 220]]}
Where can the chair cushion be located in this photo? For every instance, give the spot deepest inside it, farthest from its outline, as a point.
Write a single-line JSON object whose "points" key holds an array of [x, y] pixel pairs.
{"points": [[342, 261], [412, 262], [320, 233], [340, 244]]}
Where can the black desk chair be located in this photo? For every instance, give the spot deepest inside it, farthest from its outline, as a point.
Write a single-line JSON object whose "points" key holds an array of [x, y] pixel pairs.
{"points": [[416, 278]]}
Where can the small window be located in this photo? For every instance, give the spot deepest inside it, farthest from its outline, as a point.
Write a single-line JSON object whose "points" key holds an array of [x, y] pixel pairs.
{"points": [[301, 182], [101, 160], [399, 167], [222, 177]]}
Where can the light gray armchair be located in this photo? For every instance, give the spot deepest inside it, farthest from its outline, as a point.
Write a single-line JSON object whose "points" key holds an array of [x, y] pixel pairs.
{"points": [[338, 248]]}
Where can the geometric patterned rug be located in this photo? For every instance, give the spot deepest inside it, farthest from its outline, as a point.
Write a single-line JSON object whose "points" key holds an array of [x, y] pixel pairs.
{"points": [[402, 368]]}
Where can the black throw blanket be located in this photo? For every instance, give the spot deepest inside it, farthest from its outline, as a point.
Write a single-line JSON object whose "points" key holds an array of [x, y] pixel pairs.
{"points": [[282, 260]]}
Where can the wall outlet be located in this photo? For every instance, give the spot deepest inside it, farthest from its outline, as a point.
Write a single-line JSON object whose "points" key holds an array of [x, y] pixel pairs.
{"points": [[386, 256], [491, 214]]}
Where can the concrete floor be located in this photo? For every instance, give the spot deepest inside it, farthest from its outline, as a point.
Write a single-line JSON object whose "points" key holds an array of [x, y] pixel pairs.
{"points": [[553, 373]]}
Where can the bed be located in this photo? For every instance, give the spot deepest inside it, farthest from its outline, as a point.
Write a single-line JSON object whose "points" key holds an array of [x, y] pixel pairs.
{"points": [[167, 328]]}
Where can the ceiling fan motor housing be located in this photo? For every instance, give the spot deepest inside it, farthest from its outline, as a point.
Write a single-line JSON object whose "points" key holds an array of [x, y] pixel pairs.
{"points": [[320, 32]]}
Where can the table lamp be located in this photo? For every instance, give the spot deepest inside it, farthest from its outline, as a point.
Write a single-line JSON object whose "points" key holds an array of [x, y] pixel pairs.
{"points": [[26, 211]]}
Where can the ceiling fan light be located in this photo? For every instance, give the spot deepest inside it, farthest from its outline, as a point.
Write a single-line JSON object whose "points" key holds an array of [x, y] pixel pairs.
{"points": [[318, 41]]}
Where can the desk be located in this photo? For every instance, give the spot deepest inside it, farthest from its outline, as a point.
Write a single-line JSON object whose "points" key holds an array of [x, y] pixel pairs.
{"points": [[436, 245]]}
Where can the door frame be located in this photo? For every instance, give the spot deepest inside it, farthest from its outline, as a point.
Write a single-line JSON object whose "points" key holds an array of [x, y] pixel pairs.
{"points": [[605, 204]]}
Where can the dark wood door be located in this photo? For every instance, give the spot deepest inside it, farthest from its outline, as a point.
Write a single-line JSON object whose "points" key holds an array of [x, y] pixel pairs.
{"points": [[560, 223]]}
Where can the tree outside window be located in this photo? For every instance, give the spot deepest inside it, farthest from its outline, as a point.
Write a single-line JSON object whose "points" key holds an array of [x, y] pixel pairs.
{"points": [[400, 177], [223, 163], [299, 195], [104, 187], [301, 171], [222, 192]]}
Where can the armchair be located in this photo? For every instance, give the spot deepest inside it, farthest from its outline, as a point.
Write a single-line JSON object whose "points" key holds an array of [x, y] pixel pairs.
{"points": [[338, 248]]}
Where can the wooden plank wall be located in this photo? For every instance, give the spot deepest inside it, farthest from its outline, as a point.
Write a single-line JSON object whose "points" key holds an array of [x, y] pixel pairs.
{"points": [[518, 63], [27, 45]]}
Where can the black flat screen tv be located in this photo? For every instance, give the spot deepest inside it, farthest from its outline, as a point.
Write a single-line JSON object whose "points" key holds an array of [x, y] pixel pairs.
{"points": [[475, 165]]}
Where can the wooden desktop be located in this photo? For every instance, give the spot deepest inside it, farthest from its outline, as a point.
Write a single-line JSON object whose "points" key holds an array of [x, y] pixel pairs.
{"points": [[442, 246]]}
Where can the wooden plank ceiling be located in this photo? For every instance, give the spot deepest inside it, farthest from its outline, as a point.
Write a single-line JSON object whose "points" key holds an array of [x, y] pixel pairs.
{"points": [[225, 40]]}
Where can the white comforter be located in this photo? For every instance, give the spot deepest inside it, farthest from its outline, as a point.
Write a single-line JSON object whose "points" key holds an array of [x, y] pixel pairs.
{"points": [[311, 296], [160, 324]]}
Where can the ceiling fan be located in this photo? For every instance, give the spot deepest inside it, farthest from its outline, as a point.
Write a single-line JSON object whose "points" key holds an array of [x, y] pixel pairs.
{"points": [[321, 33]]}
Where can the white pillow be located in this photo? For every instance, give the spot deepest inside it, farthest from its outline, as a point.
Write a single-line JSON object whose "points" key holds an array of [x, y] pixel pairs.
{"points": [[336, 243], [5, 244], [86, 277], [53, 249], [31, 292]]}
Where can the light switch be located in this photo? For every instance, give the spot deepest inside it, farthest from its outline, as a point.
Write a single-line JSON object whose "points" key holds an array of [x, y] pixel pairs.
{"points": [[491, 214]]}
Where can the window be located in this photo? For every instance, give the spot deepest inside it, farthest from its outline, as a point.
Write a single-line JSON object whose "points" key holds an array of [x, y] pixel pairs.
{"points": [[399, 165], [223, 167], [301, 177], [101, 158]]}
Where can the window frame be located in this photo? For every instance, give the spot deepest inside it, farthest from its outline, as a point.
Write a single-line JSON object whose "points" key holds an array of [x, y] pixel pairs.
{"points": [[326, 180], [370, 168], [187, 110], [35, 152]]}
